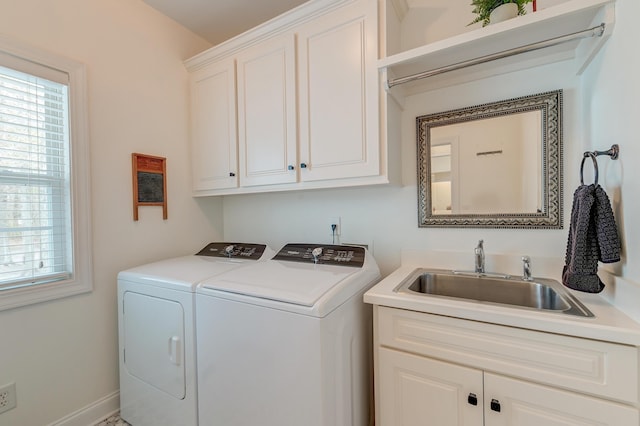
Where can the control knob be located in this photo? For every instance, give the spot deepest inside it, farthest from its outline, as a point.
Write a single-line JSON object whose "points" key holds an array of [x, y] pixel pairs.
{"points": [[316, 253]]}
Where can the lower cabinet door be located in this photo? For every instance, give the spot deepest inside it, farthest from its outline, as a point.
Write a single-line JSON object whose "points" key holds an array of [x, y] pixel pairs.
{"points": [[510, 402], [418, 391]]}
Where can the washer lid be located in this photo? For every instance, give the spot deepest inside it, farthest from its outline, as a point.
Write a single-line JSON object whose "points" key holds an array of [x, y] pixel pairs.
{"points": [[290, 282]]}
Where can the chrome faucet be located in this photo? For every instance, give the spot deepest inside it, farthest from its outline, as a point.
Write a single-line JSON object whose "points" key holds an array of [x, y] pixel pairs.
{"points": [[479, 253], [526, 268]]}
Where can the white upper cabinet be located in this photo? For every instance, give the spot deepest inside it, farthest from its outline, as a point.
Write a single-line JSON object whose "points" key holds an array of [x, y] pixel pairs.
{"points": [[338, 88], [306, 87], [267, 112], [213, 127]]}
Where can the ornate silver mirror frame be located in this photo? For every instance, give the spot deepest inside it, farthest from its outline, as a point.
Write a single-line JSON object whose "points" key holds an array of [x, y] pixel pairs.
{"points": [[547, 214]]}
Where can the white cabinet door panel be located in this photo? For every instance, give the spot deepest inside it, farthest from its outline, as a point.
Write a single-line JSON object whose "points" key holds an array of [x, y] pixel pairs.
{"points": [[418, 391], [339, 135], [267, 112], [213, 127], [527, 404]]}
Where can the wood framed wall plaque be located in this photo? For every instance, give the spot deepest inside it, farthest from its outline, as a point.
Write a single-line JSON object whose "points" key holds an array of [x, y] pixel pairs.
{"points": [[149, 182]]}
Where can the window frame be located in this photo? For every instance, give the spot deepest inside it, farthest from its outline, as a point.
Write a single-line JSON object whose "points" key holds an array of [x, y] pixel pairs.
{"points": [[81, 281]]}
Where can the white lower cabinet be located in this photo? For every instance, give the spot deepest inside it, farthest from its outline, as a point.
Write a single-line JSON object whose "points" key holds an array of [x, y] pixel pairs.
{"points": [[440, 371], [517, 402], [417, 391]]}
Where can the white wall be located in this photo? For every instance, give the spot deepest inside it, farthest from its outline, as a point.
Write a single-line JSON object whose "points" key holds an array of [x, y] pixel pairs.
{"points": [[611, 115], [62, 354]]}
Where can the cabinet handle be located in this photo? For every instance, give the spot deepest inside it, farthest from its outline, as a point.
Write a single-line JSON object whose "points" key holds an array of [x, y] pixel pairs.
{"points": [[303, 165], [231, 174], [472, 399], [495, 405], [290, 167]]}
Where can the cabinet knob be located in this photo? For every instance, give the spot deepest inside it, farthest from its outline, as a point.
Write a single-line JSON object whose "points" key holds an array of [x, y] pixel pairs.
{"points": [[472, 399], [495, 405], [231, 174], [303, 165], [290, 167]]}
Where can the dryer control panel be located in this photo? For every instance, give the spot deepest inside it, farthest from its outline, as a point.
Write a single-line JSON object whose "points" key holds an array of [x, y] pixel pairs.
{"points": [[233, 250], [323, 254]]}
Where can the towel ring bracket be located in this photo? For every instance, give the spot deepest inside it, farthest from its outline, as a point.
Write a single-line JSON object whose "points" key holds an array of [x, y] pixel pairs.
{"points": [[613, 152]]}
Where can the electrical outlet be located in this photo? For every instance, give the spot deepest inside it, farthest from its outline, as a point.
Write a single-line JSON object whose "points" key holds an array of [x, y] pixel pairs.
{"points": [[8, 397], [335, 221]]}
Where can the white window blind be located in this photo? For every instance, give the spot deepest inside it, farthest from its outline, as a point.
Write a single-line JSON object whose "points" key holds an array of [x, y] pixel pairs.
{"points": [[36, 232]]}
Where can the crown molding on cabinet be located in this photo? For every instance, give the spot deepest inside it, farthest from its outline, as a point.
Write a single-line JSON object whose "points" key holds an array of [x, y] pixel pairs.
{"points": [[278, 25]]}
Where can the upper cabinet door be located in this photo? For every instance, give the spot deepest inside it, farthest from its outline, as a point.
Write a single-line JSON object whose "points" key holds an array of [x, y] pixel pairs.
{"points": [[213, 125], [339, 134], [267, 112]]}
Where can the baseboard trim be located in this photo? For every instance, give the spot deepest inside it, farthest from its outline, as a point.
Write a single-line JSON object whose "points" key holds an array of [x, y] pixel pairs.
{"points": [[93, 413]]}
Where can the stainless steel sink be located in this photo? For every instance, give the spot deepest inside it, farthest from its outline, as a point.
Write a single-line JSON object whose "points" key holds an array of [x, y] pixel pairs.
{"points": [[541, 294]]}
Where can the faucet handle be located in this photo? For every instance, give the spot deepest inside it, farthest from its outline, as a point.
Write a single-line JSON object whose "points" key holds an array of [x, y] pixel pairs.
{"points": [[526, 268], [479, 258]]}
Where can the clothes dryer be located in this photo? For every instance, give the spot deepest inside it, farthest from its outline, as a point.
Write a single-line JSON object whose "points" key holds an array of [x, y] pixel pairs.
{"points": [[156, 316], [287, 342]]}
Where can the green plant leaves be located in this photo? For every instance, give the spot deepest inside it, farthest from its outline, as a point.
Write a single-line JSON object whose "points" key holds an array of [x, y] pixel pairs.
{"points": [[483, 8]]}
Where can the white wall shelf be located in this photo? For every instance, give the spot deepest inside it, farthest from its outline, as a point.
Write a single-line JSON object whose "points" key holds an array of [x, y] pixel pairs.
{"points": [[566, 18]]}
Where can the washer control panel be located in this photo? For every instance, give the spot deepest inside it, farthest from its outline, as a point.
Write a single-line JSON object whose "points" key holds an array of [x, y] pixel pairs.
{"points": [[233, 250], [323, 254]]}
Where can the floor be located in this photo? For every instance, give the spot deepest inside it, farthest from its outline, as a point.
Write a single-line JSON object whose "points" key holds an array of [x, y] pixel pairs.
{"points": [[113, 421]]}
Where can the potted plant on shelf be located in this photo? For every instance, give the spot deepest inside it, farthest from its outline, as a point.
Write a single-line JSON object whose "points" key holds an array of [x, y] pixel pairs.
{"points": [[492, 11]]}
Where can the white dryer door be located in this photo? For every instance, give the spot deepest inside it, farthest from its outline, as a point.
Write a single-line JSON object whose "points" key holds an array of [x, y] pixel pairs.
{"points": [[154, 342]]}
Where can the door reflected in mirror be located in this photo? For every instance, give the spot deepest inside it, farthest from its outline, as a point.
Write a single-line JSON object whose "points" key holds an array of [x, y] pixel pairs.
{"points": [[466, 156], [493, 165]]}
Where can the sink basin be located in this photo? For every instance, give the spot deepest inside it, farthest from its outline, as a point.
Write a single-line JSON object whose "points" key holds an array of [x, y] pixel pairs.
{"points": [[540, 294]]}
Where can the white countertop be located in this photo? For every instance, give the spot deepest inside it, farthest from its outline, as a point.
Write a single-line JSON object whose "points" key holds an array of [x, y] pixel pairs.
{"points": [[609, 323]]}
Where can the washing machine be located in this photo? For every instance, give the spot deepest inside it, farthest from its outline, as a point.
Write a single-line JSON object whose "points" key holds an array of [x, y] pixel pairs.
{"points": [[156, 322], [287, 342]]}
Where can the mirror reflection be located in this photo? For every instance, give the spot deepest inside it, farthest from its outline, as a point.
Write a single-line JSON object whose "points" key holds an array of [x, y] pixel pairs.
{"points": [[465, 156], [493, 165]]}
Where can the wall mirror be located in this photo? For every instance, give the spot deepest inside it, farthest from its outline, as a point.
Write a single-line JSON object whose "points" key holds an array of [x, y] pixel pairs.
{"points": [[496, 165]]}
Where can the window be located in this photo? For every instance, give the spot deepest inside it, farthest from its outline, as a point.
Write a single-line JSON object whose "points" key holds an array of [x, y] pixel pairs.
{"points": [[44, 205]]}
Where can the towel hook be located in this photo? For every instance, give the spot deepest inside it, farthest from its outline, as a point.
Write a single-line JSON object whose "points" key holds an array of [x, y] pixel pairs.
{"points": [[595, 167], [612, 152]]}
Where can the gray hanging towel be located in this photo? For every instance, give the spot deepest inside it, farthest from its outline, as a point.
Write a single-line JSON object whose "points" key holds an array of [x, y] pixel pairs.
{"points": [[593, 237]]}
